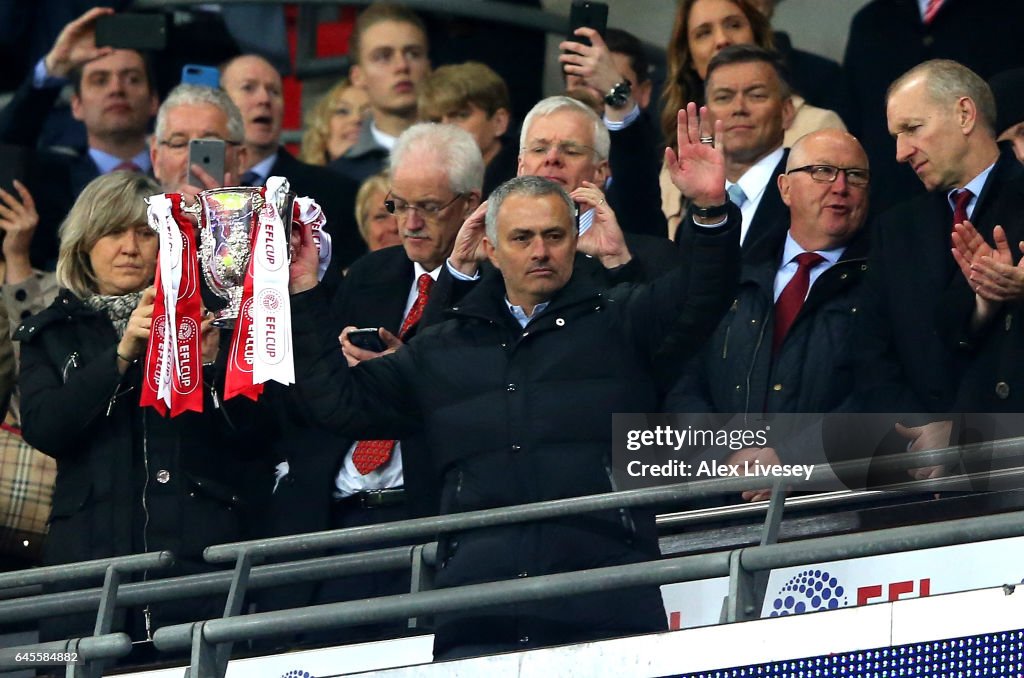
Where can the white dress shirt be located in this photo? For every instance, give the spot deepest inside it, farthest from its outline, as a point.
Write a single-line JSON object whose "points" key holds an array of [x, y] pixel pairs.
{"points": [[754, 182], [349, 481]]}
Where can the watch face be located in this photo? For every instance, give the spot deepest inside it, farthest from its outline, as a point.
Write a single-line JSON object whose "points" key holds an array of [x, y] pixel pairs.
{"points": [[618, 94]]}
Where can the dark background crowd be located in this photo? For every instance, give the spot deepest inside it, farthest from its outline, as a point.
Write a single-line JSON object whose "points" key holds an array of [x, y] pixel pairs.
{"points": [[828, 238]]}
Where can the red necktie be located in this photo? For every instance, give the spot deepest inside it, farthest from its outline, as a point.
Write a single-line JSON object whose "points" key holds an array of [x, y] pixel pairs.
{"points": [[792, 298], [931, 10], [960, 201], [370, 455], [127, 166]]}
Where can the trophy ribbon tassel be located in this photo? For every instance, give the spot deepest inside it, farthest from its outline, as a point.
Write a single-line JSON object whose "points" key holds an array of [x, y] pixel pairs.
{"points": [[173, 365]]}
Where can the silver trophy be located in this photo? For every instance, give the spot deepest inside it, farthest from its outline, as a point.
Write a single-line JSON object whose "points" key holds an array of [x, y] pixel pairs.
{"points": [[227, 219]]}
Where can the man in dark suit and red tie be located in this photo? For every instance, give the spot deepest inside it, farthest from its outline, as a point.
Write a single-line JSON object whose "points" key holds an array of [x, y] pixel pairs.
{"points": [[920, 319], [331, 481]]}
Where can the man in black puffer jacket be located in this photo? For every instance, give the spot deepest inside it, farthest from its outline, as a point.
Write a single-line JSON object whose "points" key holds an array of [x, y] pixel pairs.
{"points": [[516, 388]]}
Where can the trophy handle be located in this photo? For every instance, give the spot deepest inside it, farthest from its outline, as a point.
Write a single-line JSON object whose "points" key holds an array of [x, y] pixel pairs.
{"points": [[194, 209]]}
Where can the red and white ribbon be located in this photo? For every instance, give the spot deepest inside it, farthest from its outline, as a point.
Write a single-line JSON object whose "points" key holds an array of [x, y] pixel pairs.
{"points": [[307, 211], [272, 316], [173, 365], [238, 379]]}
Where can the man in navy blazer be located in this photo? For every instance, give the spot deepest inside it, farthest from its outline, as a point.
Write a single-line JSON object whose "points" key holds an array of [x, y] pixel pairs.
{"points": [[113, 98], [745, 88]]}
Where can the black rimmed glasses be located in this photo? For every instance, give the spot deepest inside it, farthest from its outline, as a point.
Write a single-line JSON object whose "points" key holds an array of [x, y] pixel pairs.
{"points": [[429, 211], [827, 174]]}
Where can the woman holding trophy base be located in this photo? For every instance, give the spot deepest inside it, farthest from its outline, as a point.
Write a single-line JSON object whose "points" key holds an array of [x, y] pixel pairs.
{"points": [[128, 479]]}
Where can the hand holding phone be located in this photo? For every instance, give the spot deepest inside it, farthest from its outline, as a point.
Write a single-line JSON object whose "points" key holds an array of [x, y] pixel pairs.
{"points": [[132, 31], [208, 154], [368, 339], [367, 343], [587, 14]]}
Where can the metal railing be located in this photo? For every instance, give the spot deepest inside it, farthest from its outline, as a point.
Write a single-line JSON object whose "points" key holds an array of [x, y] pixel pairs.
{"points": [[212, 639], [739, 565], [87, 654]]}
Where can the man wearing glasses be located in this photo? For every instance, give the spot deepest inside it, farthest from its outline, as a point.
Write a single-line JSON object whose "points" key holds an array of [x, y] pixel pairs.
{"points": [[782, 344], [335, 482], [195, 112]]}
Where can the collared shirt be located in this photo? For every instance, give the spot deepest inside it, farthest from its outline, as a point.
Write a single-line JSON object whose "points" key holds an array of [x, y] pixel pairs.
{"points": [[789, 266], [262, 170], [520, 315], [616, 125], [975, 186], [754, 182], [382, 139], [349, 481], [106, 162]]}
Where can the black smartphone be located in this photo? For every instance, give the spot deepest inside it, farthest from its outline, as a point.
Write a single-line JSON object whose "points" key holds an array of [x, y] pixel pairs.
{"points": [[586, 14], [208, 154], [194, 74], [132, 31], [367, 338], [15, 163]]}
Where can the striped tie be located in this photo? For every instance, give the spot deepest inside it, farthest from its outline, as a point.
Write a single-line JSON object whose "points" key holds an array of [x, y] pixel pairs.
{"points": [[931, 10]]}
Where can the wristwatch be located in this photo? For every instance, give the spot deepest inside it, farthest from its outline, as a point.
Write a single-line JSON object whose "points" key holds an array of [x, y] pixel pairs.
{"points": [[618, 94], [716, 212]]}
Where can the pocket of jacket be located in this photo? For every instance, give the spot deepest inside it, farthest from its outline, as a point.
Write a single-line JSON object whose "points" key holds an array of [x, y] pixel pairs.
{"points": [[69, 499]]}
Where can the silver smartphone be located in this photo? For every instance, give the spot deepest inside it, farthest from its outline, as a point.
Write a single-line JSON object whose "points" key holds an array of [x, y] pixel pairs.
{"points": [[208, 154]]}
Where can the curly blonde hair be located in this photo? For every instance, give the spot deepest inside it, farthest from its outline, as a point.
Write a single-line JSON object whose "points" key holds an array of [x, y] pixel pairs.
{"points": [[314, 139]]}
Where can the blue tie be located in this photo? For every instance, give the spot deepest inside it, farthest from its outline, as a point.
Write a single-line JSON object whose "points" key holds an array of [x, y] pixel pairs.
{"points": [[736, 195]]}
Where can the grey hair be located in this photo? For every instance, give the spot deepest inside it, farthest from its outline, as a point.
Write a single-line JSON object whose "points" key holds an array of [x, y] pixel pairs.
{"points": [[195, 95], [545, 107], [454, 148], [530, 186], [948, 80]]}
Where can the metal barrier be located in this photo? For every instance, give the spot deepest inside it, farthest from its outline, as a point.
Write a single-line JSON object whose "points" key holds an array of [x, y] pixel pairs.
{"points": [[740, 565], [87, 654], [211, 650]]}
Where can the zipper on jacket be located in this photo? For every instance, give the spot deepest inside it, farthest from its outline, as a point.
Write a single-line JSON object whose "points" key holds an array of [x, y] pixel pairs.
{"points": [[69, 362], [750, 370], [145, 521], [213, 396]]}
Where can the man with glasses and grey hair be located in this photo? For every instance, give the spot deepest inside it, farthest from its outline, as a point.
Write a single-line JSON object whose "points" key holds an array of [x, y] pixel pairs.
{"points": [[195, 112], [333, 481]]}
